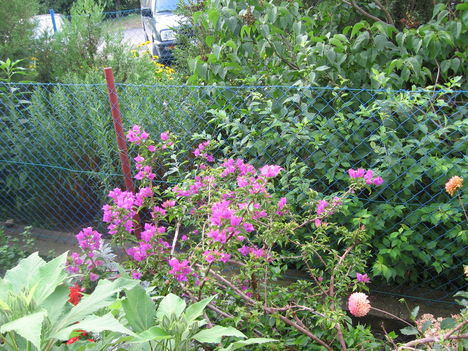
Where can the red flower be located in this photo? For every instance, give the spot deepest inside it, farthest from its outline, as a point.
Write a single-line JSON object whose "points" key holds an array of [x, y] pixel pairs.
{"points": [[72, 340], [76, 292], [76, 338]]}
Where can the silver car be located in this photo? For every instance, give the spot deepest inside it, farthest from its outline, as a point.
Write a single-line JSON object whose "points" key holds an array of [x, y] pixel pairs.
{"points": [[159, 23]]}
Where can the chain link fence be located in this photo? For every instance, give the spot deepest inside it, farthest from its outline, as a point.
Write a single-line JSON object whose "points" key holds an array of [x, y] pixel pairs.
{"points": [[59, 159]]}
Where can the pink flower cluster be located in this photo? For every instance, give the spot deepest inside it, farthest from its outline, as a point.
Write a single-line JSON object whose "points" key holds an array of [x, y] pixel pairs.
{"points": [[180, 270], [150, 244], [270, 171], [254, 251], [325, 209], [367, 175], [144, 171], [136, 135], [199, 151], [231, 165], [141, 252], [122, 212], [211, 256], [89, 239]]}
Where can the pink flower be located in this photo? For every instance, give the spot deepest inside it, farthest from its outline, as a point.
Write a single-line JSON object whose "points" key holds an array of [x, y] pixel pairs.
{"points": [[151, 148], [168, 204], [378, 181], [93, 277], [136, 275], [358, 304], [89, 239], [164, 136], [270, 171], [184, 238], [362, 278], [244, 250], [180, 270], [248, 227], [282, 203]]}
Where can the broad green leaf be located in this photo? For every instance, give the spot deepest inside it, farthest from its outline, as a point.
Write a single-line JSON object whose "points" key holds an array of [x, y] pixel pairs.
{"points": [[448, 323], [94, 324], [214, 335], [55, 303], [25, 272], [170, 304], [409, 331], [240, 344], [152, 334], [196, 310], [29, 327], [50, 276], [101, 297], [139, 309]]}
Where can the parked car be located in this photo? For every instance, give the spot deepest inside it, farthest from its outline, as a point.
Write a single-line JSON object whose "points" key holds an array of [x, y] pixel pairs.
{"points": [[44, 24], [159, 23]]}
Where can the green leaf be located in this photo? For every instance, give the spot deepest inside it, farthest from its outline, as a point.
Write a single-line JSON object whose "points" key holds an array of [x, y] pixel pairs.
{"points": [[240, 344], [414, 313], [94, 324], [171, 304], [214, 335], [29, 327], [139, 309], [50, 276], [101, 297], [196, 310], [25, 272], [55, 303], [152, 334], [409, 331], [448, 323]]}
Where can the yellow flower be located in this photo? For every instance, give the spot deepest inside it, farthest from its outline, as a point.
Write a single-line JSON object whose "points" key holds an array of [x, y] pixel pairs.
{"points": [[143, 44], [453, 184], [466, 271]]}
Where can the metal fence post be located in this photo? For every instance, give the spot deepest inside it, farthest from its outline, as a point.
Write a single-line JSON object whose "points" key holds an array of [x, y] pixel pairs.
{"points": [[52, 16], [119, 134]]}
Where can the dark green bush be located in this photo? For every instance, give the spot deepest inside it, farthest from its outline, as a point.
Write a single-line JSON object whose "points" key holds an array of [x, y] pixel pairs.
{"points": [[16, 29]]}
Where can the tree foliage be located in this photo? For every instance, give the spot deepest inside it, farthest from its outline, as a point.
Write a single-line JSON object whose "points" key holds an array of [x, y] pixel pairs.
{"points": [[16, 31]]}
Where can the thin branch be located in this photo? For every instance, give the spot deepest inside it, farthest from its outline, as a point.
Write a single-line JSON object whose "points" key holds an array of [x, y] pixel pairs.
{"points": [[174, 242], [388, 16], [362, 11], [270, 310], [429, 340], [392, 315]]}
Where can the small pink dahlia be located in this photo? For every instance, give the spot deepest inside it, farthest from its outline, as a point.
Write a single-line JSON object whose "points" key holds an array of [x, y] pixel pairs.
{"points": [[358, 304]]}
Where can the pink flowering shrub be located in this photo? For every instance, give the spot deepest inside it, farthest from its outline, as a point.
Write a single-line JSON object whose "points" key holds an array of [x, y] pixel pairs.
{"points": [[182, 237]]}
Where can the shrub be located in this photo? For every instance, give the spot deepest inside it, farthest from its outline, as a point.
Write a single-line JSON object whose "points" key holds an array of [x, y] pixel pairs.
{"points": [[16, 29]]}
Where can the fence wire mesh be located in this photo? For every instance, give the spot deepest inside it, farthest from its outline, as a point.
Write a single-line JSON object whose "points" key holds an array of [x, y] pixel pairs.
{"points": [[58, 157]]}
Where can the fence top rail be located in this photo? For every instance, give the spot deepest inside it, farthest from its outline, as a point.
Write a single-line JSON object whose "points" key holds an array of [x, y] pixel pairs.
{"points": [[240, 87]]}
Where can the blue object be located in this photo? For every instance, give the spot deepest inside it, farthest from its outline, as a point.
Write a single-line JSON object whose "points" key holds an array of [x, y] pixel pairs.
{"points": [[52, 15]]}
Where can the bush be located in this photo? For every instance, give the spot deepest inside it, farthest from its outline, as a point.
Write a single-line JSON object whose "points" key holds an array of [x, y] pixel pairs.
{"points": [[14, 247], [16, 29]]}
